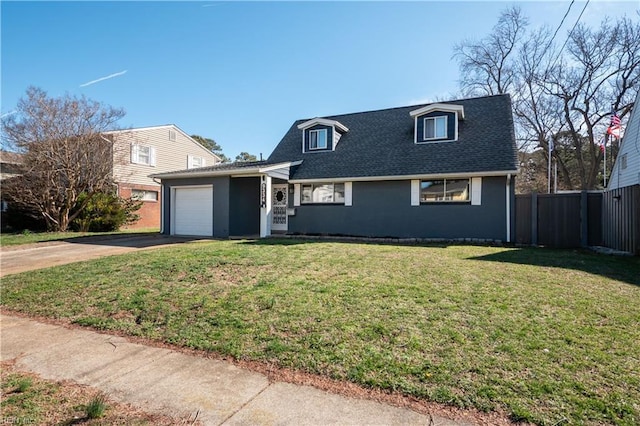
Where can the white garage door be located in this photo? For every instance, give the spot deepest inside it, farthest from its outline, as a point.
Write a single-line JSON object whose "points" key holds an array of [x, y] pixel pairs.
{"points": [[193, 211]]}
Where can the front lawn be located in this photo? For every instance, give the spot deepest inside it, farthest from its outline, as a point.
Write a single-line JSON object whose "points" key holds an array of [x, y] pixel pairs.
{"points": [[550, 336]]}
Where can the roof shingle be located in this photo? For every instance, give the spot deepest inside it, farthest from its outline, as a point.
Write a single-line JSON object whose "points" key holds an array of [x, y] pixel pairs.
{"points": [[381, 143]]}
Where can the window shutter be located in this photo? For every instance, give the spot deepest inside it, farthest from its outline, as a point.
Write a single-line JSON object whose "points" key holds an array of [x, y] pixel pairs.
{"points": [[134, 153], [415, 192], [296, 194], [476, 191], [348, 194], [152, 156], [189, 161]]}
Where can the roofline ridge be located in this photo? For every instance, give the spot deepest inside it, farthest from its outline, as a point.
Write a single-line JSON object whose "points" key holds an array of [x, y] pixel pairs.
{"points": [[402, 107]]}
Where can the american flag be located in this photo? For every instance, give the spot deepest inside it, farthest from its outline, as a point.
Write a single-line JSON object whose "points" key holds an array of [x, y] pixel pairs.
{"points": [[614, 126]]}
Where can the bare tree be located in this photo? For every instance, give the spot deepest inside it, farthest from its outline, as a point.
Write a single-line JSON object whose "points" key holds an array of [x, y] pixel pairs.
{"points": [[65, 154], [487, 66], [564, 94]]}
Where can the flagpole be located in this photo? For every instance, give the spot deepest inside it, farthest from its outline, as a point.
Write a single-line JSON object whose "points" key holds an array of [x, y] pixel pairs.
{"points": [[606, 138], [550, 143], [555, 176]]}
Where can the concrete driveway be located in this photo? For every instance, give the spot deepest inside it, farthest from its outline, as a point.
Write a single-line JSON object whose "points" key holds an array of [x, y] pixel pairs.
{"points": [[15, 259]]}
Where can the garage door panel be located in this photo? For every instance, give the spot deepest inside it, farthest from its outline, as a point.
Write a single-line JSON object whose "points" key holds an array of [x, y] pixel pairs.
{"points": [[193, 211]]}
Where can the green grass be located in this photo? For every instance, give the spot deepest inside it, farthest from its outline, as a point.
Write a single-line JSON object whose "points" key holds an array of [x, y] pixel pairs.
{"points": [[550, 336], [12, 239], [96, 407]]}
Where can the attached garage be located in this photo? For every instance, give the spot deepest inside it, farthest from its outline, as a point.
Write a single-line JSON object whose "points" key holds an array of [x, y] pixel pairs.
{"points": [[192, 210]]}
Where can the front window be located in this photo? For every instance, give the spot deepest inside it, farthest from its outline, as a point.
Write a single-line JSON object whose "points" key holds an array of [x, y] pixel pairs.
{"points": [[444, 190], [318, 139], [323, 193], [435, 127]]}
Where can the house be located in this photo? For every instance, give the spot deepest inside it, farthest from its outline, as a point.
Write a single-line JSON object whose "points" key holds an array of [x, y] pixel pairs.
{"points": [[439, 170], [626, 169], [621, 200], [10, 166], [140, 152]]}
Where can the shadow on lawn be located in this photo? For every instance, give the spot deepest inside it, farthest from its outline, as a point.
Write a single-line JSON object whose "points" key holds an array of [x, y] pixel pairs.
{"points": [[134, 240], [620, 268]]}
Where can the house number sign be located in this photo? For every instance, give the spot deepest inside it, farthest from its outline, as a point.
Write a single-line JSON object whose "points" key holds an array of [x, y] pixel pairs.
{"points": [[263, 194]]}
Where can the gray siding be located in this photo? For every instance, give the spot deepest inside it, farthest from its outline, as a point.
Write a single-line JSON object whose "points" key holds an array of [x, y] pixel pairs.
{"points": [[383, 209], [220, 202], [244, 206]]}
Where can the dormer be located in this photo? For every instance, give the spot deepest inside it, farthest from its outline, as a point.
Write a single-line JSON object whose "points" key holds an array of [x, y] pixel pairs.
{"points": [[437, 123], [321, 134]]}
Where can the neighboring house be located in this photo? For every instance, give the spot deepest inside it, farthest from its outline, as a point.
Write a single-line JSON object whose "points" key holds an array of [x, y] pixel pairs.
{"points": [[440, 170], [626, 170], [141, 152], [10, 166]]}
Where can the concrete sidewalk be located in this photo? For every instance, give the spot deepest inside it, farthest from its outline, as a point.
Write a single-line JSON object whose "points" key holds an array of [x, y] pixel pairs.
{"points": [[172, 383]]}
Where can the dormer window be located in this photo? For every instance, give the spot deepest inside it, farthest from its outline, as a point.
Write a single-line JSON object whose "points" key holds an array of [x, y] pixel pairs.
{"points": [[321, 134], [437, 123], [318, 139], [435, 127]]}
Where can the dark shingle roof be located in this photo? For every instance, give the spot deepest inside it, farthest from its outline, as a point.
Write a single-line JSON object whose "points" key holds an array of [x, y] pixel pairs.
{"points": [[381, 143], [238, 165]]}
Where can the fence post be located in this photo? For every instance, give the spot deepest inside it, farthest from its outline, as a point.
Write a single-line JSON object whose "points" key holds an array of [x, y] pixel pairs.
{"points": [[584, 220], [534, 219]]}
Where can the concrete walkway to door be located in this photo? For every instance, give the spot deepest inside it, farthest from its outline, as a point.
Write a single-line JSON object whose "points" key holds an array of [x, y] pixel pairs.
{"points": [[21, 258]]}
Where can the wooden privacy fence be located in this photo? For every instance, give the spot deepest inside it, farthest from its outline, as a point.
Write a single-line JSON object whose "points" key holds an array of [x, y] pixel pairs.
{"points": [[580, 219], [559, 220], [621, 219]]}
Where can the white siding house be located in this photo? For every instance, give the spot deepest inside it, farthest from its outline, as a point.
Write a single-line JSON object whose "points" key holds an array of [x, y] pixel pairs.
{"points": [[141, 152], [626, 170]]}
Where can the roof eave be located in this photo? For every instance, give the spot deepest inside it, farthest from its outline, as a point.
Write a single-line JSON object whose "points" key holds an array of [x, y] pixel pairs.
{"points": [[409, 177]]}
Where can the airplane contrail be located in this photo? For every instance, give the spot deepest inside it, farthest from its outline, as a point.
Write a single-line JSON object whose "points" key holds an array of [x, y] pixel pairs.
{"points": [[103, 78]]}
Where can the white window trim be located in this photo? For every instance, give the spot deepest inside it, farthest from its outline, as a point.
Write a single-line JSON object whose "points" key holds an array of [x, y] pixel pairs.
{"points": [[348, 193], [135, 155], [422, 141], [435, 128], [190, 159], [145, 191], [415, 192], [326, 139], [476, 191], [296, 195]]}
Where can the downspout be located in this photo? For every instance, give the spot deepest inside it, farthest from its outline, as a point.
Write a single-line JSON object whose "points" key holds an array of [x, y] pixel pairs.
{"points": [[161, 204], [509, 207]]}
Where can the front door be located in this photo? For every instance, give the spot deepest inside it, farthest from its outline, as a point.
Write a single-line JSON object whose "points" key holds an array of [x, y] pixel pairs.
{"points": [[279, 210]]}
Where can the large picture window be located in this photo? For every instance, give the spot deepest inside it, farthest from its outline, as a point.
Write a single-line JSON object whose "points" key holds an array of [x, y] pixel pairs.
{"points": [[323, 193], [435, 127], [318, 139], [444, 190]]}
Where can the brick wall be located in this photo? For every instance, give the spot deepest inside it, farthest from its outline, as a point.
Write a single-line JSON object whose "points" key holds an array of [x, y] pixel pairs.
{"points": [[149, 212]]}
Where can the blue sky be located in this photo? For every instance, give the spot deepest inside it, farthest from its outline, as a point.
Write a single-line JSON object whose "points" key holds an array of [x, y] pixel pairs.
{"points": [[242, 72]]}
